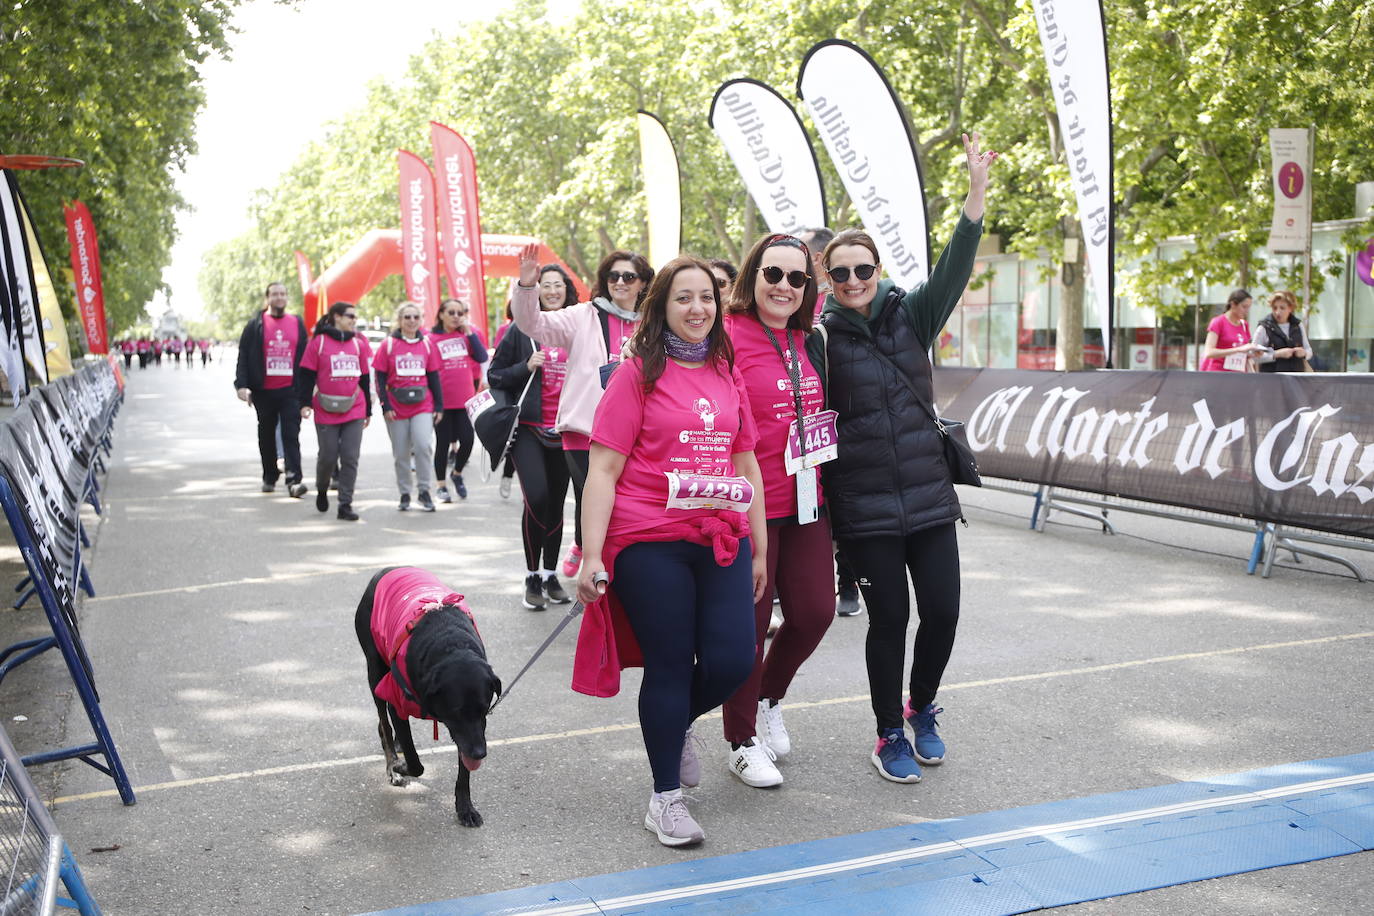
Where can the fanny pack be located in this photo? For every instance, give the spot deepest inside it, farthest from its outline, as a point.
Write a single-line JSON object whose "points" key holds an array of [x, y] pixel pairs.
{"points": [[409, 394], [337, 403]]}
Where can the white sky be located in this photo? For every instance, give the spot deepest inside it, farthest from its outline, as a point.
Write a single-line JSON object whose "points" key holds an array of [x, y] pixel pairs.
{"points": [[293, 70]]}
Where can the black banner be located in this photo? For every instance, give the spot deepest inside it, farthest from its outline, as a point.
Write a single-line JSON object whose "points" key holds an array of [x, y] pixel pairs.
{"points": [[1291, 449]]}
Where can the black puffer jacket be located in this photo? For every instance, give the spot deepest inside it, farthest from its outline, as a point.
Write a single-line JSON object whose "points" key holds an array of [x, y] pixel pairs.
{"points": [[890, 478], [509, 371]]}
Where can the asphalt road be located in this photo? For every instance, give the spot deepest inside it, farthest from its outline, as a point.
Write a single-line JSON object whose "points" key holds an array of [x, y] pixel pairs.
{"points": [[223, 639]]}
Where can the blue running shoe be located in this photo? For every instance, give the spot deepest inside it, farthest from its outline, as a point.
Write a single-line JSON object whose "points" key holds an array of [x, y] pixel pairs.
{"points": [[930, 748], [893, 757]]}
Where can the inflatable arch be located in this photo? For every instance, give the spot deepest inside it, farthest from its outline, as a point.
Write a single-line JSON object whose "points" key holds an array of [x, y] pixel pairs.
{"points": [[377, 255]]}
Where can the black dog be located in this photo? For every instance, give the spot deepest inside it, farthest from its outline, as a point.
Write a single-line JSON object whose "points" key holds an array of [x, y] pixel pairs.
{"points": [[445, 675]]}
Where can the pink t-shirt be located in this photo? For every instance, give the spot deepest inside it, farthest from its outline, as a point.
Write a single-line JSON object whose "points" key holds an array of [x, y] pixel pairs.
{"points": [[1228, 335], [458, 371], [338, 365], [551, 384], [772, 403], [406, 364], [501, 333], [692, 422], [279, 336]]}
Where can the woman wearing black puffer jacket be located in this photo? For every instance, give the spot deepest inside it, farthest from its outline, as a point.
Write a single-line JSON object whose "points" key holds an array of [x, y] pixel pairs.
{"points": [[889, 493]]}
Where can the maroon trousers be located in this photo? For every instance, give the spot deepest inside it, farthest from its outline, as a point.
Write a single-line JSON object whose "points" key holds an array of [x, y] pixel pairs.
{"points": [[802, 570]]}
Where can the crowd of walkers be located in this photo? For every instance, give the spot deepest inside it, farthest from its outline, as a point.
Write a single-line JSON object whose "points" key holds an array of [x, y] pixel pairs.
{"points": [[725, 434], [150, 350]]}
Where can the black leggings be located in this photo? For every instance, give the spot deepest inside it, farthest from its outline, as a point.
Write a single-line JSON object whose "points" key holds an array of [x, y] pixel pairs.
{"points": [[544, 482], [694, 621], [453, 427], [881, 564], [579, 459]]}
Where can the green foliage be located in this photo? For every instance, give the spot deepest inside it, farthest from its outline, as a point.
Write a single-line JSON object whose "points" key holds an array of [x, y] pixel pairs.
{"points": [[549, 109], [114, 84]]}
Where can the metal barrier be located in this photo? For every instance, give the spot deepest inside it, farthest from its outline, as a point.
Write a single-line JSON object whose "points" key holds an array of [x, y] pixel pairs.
{"points": [[1269, 538], [49, 451], [35, 859]]}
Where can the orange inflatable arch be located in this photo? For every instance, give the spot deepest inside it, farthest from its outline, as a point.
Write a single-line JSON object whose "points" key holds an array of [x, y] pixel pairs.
{"points": [[377, 255]]}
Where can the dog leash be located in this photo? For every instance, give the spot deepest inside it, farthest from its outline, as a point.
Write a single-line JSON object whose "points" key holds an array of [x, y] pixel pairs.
{"points": [[573, 612]]}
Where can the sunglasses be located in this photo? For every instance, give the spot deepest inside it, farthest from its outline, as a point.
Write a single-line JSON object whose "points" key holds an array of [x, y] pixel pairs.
{"points": [[795, 278], [350, 315], [862, 271], [454, 314], [616, 276]]}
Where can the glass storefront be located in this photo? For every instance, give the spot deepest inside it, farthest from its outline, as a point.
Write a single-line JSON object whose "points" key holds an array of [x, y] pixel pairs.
{"points": [[1007, 317]]}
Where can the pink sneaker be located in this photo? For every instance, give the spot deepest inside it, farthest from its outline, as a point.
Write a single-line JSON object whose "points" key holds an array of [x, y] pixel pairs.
{"points": [[572, 562]]}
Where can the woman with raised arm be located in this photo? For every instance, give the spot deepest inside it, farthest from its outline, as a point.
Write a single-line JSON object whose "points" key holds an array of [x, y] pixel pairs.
{"points": [[890, 492]]}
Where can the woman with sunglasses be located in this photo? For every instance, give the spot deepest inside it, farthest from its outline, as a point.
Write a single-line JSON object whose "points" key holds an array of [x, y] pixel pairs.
{"points": [[593, 334], [672, 477], [412, 398], [537, 452], [770, 316], [461, 355], [333, 380], [889, 492]]}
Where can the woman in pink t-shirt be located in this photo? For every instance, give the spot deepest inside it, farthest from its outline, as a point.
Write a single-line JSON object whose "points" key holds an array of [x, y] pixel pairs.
{"points": [[333, 380], [412, 397], [461, 355], [771, 308], [672, 474], [1228, 347]]}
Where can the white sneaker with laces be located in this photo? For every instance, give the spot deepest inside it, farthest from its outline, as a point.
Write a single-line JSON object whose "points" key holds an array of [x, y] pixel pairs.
{"points": [[752, 764], [771, 730], [669, 818]]}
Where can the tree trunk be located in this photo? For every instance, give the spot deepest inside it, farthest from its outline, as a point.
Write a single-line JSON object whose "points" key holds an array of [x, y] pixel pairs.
{"points": [[749, 210], [1068, 344]]}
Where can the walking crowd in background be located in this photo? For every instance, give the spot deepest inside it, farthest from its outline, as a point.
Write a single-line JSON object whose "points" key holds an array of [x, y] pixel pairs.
{"points": [[725, 434]]}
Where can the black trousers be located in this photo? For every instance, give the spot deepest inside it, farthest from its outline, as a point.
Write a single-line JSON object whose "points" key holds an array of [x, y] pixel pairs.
{"points": [[578, 462], [275, 405], [931, 557], [544, 482], [453, 427]]}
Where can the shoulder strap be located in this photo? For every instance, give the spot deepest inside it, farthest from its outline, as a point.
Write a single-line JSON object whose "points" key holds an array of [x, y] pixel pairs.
{"points": [[605, 319]]}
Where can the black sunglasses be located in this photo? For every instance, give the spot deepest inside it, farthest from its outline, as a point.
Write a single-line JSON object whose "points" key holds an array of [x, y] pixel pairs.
{"points": [[616, 276], [862, 271], [795, 278], [353, 315]]}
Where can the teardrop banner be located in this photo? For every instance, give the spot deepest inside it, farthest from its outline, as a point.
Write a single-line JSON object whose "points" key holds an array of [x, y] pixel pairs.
{"points": [[90, 295], [23, 287], [765, 140], [860, 121], [52, 324], [663, 189], [1074, 38], [419, 242], [460, 221]]}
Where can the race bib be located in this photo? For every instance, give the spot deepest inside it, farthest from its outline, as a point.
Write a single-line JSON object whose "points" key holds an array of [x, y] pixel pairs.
{"points": [[344, 365], [479, 404], [453, 348], [1234, 363], [410, 366], [279, 366], [822, 442], [706, 491]]}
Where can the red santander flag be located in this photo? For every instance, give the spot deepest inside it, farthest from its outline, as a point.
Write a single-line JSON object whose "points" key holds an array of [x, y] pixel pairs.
{"points": [[90, 296], [419, 236], [460, 220]]}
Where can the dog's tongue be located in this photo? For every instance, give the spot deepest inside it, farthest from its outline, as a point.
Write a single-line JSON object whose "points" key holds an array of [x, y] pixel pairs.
{"points": [[469, 762]]}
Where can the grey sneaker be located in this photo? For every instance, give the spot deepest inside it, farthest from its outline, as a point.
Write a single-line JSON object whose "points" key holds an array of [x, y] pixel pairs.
{"points": [[669, 818], [847, 603], [689, 770], [505, 488]]}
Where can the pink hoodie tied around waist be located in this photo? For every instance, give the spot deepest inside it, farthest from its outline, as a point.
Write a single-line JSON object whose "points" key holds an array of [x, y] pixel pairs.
{"points": [[606, 643]]}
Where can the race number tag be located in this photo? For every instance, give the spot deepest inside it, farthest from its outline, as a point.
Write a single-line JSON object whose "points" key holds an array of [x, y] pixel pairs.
{"points": [[705, 491], [479, 404], [1235, 362], [822, 442], [279, 366], [410, 366]]}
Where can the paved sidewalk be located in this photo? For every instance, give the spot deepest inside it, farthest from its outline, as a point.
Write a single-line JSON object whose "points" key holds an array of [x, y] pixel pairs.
{"points": [[222, 638]]}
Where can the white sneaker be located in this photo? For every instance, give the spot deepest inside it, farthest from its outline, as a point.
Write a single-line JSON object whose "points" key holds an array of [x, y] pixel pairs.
{"points": [[771, 730], [753, 765], [669, 818]]}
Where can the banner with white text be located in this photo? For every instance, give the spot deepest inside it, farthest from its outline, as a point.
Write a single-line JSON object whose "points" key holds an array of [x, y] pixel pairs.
{"points": [[862, 126], [90, 291], [1291, 449], [1074, 38], [460, 220], [419, 234], [768, 145]]}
